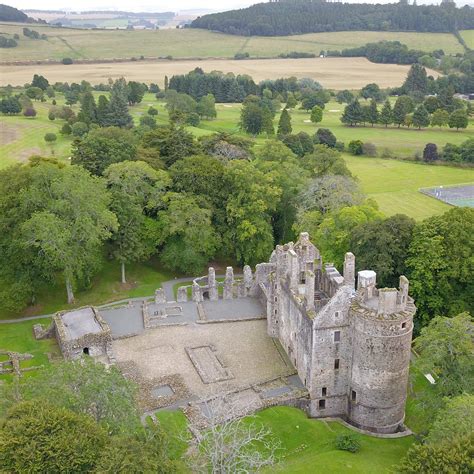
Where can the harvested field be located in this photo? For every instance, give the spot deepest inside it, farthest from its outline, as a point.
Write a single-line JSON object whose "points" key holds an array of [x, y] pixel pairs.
{"points": [[336, 73]]}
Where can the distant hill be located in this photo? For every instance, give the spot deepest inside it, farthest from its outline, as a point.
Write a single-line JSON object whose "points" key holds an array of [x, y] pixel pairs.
{"points": [[13, 14], [293, 17]]}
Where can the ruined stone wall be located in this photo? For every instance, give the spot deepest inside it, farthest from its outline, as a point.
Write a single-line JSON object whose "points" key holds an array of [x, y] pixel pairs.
{"points": [[332, 343]]}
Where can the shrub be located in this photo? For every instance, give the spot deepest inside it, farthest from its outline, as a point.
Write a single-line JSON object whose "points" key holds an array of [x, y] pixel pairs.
{"points": [[193, 119], [369, 149], [79, 129], [66, 129], [51, 115], [324, 136], [355, 147], [67, 61], [241, 56], [148, 121], [50, 137], [54, 102], [152, 111], [430, 153], [347, 442], [340, 146], [29, 112]]}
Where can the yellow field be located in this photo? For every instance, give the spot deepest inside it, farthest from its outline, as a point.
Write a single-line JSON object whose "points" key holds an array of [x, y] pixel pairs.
{"points": [[193, 43], [334, 73]]}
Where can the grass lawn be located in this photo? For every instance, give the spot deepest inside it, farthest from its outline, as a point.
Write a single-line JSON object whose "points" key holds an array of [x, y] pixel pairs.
{"points": [[468, 37], [18, 337], [308, 445], [194, 43], [394, 184]]}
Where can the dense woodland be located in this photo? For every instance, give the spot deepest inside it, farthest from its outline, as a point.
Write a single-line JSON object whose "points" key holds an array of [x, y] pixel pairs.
{"points": [[8, 13], [292, 18]]}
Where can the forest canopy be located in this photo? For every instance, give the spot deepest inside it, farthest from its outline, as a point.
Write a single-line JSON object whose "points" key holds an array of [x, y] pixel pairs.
{"points": [[294, 17]]}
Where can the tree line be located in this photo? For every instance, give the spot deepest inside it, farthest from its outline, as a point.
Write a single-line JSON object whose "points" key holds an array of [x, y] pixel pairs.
{"points": [[292, 18]]}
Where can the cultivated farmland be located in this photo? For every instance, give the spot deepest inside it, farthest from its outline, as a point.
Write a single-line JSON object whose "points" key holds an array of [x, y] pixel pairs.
{"points": [[335, 73], [193, 43]]}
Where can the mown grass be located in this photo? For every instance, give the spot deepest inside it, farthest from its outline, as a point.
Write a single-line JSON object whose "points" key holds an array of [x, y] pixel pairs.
{"points": [[468, 37], [194, 43], [307, 445], [18, 337], [394, 184]]}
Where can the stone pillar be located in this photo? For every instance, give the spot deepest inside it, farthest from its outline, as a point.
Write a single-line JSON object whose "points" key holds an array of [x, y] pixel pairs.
{"points": [[160, 297], [366, 280], [349, 270], [403, 293], [294, 269], [197, 293], [182, 294], [248, 279], [229, 283], [211, 279], [309, 289]]}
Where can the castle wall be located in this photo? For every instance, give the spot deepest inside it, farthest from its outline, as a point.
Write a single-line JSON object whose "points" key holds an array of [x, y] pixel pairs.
{"points": [[380, 366]]}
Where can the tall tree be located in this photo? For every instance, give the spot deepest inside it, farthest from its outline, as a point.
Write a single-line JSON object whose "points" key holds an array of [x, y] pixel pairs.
{"points": [[382, 245], [206, 107], [117, 111], [416, 82], [386, 114], [440, 118], [316, 114], [458, 119], [68, 222], [190, 240], [421, 117], [440, 265], [136, 91], [403, 106], [284, 124], [372, 114], [88, 112], [135, 188], [352, 114], [37, 437]]}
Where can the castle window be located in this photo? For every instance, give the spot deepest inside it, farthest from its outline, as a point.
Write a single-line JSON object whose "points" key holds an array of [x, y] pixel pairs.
{"points": [[324, 391], [336, 364], [336, 314], [404, 325], [302, 277], [337, 336], [322, 404], [353, 395]]}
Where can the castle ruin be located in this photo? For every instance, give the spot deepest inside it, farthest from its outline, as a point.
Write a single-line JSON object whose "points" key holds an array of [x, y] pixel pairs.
{"points": [[295, 331]]}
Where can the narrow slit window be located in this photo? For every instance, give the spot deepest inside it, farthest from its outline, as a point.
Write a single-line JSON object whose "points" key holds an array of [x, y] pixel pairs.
{"points": [[336, 314], [353, 395], [404, 325], [337, 336], [336, 364], [324, 391], [322, 404]]}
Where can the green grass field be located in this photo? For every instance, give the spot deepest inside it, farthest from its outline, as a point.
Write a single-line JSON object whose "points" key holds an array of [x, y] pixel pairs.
{"points": [[307, 446], [394, 184], [468, 37], [187, 43]]}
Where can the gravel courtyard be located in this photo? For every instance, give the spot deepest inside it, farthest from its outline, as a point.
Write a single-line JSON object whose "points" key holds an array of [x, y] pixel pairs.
{"points": [[243, 348]]}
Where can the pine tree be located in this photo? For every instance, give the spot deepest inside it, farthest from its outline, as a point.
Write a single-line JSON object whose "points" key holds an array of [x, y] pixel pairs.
{"points": [[352, 114], [403, 106], [421, 117], [372, 113], [88, 112], [117, 113], [102, 110], [284, 125], [386, 115], [416, 83]]}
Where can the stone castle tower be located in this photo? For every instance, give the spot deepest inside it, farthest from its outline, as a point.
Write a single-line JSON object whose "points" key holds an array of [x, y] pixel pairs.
{"points": [[351, 347]]}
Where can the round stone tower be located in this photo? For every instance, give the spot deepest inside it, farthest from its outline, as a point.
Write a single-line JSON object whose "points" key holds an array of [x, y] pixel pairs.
{"points": [[382, 324]]}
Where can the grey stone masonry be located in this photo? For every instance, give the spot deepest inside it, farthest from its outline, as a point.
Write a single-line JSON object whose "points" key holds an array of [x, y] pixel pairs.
{"points": [[351, 348]]}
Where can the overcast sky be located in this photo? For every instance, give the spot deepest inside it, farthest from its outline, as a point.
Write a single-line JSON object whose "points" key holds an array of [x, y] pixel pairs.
{"points": [[156, 5], [128, 5]]}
